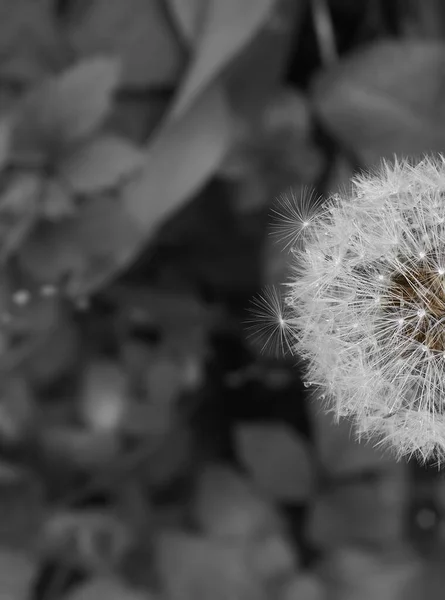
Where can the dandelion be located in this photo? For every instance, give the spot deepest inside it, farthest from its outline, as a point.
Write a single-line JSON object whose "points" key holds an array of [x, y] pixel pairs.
{"points": [[366, 305]]}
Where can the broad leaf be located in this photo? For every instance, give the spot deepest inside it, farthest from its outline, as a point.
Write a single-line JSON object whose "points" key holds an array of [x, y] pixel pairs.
{"points": [[67, 446], [135, 30], [226, 505], [189, 15], [65, 109], [194, 568], [386, 99], [103, 588], [353, 573], [278, 460], [100, 164], [229, 26], [18, 211], [304, 586], [183, 155], [85, 249], [56, 201], [17, 573]]}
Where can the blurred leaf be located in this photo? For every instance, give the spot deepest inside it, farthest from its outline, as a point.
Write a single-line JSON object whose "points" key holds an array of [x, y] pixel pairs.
{"points": [[135, 30], [189, 15], [102, 588], [227, 28], [272, 557], [17, 573], [30, 46], [227, 506], [103, 397], [18, 211], [100, 164], [70, 446], [386, 99], [65, 108], [261, 67], [86, 248], [278, 460], [304, 586], [194, 568], [93, 540], [183, 155], [353, 573], [365, 513], [56, 202]]}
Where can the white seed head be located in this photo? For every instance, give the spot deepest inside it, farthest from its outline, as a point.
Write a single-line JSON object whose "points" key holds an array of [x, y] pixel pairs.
{"points": [[366, 304]]}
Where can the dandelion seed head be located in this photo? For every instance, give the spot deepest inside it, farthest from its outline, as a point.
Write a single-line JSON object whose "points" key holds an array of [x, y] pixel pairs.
{"points": [[365, 308]]}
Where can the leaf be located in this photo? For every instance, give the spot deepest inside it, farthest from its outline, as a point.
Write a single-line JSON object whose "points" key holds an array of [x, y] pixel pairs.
{"points": [[87, 248], [66, 108], [135, 30], [56, 202], [189, 15], [100, 164], [272, 557], [194, 568], [227, 506], [354, 573], [278, 460], [183, 155], [386, 99], [102, 588], [229, 26], [18, 211], [75, 446], [304, 586], [17, 572]]}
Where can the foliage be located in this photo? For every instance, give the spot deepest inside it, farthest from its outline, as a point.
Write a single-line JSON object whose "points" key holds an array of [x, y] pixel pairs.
{"points": [[147, 449]]}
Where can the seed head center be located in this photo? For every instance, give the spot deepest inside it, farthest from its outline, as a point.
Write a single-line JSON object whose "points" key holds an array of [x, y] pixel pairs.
{"points": [[421, 286]]}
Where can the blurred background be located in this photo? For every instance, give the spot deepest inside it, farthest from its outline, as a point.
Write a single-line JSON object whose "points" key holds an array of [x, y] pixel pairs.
{"points": [[149, 447]]}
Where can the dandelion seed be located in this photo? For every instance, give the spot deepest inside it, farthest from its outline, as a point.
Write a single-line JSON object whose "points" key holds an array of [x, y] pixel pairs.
{"points": [[269, 325], [293, 215], [365, 309]]}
